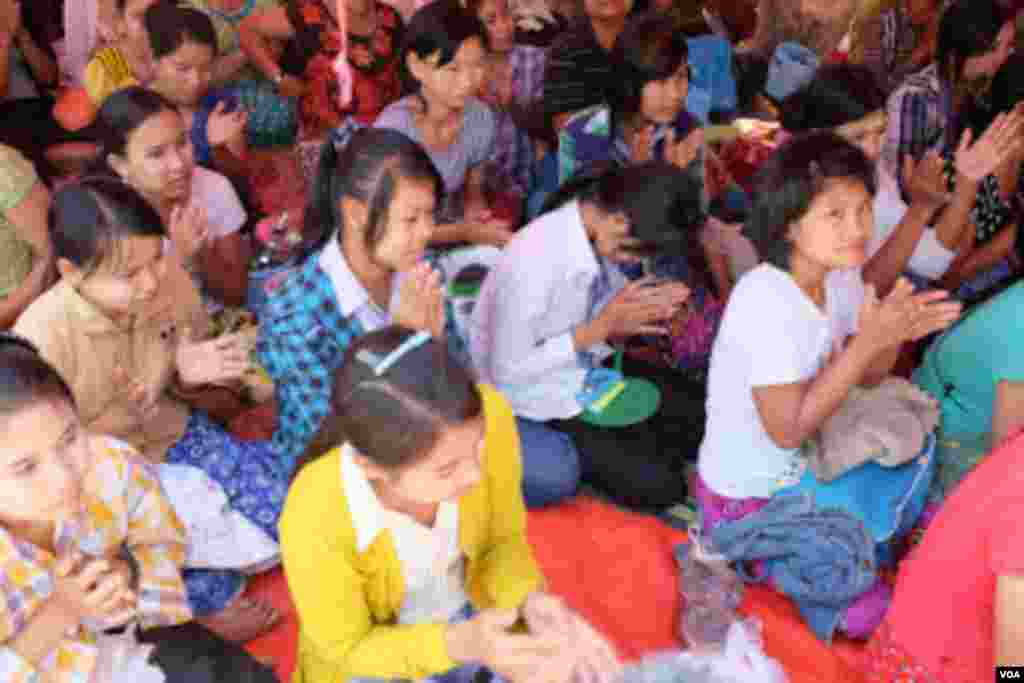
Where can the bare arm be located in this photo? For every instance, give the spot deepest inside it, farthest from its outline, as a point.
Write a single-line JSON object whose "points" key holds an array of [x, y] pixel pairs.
{"points": [[43, 65], [1009, 618], [1008, 410], [981, 258], [227, 67], [256, 33], [886, 266], [224, 264], [43, 633]]}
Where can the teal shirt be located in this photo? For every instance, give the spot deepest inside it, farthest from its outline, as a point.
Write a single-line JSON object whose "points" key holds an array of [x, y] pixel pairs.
{"points": [[963, 367]]}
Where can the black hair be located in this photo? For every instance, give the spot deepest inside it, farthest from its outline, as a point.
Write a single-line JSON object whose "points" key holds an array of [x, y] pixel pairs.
{"points": [[661, 202], [650, 48], [170, 25], [121, 115], [1007, 90], [397, 417], [367, 168], [788, 182], [968, 28], [88, 219], [838, 94], [440, 28], [25, 378]]}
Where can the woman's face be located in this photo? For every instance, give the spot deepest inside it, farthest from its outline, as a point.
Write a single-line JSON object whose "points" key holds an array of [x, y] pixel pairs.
{"points": [[661, 101], [130, 27], [158, 160], [410, 226], [129, 278], [988, 64], [609, 233], [449, 471], [184, 76], [451, 85], [837, 227], [42, 459], [607, 10], [500, 24]]}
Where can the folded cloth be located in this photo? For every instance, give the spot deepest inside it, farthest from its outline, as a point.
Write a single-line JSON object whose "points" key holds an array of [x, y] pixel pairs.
{"points": [[820, 558], [889, 424]]}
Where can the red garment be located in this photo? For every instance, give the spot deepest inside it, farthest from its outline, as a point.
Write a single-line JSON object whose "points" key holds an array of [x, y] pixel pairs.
{"points": [[374, 67], [942, 615]]}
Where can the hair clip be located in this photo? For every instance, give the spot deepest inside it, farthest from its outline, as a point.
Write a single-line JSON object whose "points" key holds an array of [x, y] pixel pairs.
{"points": [[380, 364]]}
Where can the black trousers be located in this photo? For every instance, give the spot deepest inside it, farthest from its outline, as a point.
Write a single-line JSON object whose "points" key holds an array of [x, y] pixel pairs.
{"points": [[644, 466], [190, 653]]}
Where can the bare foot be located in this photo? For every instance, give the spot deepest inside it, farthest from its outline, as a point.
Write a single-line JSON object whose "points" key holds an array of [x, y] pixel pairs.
{"points": [[242, 620]]}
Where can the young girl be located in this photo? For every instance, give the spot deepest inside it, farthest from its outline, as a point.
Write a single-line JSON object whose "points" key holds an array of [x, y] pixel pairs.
{"points": [[405, 545], [88, 542], [123, 327], [800, 331], [556, 296], [935, 633], [127, 61], [445, 59], [375, 201], [183, 47], [925, 234], [146, 145], [27, 259]]}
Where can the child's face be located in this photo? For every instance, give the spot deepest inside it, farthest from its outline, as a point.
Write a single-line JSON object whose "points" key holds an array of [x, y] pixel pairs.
{"points": [[835, 231], [129, 278], [607, 10], [500, 24], [661, 101], [452, 84], [158, 160], [410, 225], [448, 472], [130, 27], [184, 76], [610, 233], [41, 462]]}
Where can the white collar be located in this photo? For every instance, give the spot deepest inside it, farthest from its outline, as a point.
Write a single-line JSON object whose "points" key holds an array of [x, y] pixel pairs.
{"points": [[365, 508], [348, 290], [578, 246]]}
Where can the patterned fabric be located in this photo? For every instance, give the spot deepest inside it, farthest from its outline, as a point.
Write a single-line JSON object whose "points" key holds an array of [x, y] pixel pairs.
{"points": [[374, 62], [513, 152], [888, 41], [886, 661], [273, 119], [17, 177], [255, 479], [122, 509], [918, 120], [106, 73], [716, 510], [226, 23], [587, 138], [302, 341]]}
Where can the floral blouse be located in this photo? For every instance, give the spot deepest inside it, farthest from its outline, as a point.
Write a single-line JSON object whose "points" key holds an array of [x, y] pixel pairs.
{"points": [[374, 62]]}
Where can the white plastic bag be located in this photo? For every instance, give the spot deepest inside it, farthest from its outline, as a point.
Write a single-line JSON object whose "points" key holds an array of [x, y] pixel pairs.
{"points": [[123, 659]]}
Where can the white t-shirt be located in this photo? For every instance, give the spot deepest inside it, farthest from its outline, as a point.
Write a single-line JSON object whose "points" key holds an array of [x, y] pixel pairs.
{"points": [[930, 259], [771, 333]]}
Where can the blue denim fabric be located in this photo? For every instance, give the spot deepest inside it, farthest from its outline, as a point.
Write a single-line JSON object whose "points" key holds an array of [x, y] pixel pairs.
{"points": [[551, 465], [821, 558]]}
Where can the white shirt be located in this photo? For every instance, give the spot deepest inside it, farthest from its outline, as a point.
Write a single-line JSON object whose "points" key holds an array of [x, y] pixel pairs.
{"points": [[771, 334], [930, 258], [536, 294], [353, 299], [433, 565]]}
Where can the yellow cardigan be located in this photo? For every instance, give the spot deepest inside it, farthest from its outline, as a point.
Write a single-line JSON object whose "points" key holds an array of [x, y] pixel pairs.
{"points": [[348, 601]]}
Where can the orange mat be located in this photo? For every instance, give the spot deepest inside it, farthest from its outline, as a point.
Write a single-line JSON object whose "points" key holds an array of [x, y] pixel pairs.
{"points": [[617, 569]]}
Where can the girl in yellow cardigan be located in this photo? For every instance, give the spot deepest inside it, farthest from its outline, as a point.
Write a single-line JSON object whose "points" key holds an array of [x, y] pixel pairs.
{"points": [[405, 546]]}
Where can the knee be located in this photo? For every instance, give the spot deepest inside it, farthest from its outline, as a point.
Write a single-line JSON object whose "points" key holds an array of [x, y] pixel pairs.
{"points": [[551, 468]]}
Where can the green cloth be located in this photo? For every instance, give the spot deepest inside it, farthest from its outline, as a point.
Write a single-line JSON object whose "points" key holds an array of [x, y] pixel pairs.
{"points": [[17, 177]]}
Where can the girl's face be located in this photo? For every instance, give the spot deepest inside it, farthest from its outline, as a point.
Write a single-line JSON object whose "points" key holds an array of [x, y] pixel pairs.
{"points": [[184, 76], [836, 229], [500, 24], [607, 10], [868, 133], [410, 225], [452, 84], [128, 279], [130, 27], [661, 101], [42, 459], [157, 160], [449, 471], [609, 234], [988, 64]]}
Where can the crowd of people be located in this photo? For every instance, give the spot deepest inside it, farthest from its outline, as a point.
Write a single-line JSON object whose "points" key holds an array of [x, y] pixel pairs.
{"points": [[730, 255]]}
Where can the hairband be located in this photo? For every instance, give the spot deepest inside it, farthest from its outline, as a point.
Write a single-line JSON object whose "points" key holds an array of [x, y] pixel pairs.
{"points": [[381, 364]]}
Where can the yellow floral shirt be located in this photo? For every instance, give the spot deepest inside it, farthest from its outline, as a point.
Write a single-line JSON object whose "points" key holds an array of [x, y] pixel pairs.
{"points": [[123, 507]]}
